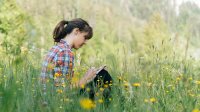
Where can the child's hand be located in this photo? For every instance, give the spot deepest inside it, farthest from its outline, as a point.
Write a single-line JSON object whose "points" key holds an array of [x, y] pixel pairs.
{"points": [[90, 74], [100, 68]]}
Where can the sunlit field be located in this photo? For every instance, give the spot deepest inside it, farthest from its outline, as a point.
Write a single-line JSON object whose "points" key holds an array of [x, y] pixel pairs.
{"points": [[149, 53]]}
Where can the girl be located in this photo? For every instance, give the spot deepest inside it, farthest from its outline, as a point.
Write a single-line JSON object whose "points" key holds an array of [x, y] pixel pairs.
{"points": [[59, 61]]}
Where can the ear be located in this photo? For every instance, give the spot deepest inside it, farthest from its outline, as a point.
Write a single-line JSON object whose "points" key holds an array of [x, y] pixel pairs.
{"points": [[76, 31]]}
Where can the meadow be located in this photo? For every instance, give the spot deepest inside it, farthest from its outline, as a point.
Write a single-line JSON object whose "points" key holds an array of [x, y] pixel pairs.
{"points": [[149, 59]]}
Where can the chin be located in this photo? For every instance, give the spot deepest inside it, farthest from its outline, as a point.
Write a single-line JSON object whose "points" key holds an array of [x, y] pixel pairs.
{"points": [[76, 48]]}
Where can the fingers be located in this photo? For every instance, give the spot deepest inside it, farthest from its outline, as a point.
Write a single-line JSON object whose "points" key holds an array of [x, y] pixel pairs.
{"points": [[101, 68]]}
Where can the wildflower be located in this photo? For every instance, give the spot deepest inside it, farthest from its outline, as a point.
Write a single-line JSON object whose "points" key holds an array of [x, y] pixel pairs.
{"points": [[57, 74], [101, 89], [87, 104], [60, 91], [190, 78], [63, 85], [136, 84], [126, 85], [50, 66], [74, 80], [88, 89], [197, 82], [100, 100], [153, 100], [120, 78], [195, 110], [178, 78], [105, 85], [146, 100], [82, 86]]}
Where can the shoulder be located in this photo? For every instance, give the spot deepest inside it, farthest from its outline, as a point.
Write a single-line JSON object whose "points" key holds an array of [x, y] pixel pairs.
{"points": [[56, 49]]}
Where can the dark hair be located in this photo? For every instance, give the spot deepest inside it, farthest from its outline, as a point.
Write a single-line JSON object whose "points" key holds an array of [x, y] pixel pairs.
{"points": [[66, 27]]}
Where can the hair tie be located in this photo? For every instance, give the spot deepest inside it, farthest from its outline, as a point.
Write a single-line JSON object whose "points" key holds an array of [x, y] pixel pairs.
{"points": [[66, 22]]}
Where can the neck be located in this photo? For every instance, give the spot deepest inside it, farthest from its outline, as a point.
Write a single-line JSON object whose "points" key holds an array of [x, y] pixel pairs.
{"points": [[69, 41]]}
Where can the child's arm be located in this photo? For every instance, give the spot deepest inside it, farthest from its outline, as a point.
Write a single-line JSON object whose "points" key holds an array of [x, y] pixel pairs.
{"points": [[89, 76]]}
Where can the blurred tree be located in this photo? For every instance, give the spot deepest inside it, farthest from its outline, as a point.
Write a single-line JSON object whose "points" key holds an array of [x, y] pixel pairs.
{"points": [[188, 22], [15, 30]]}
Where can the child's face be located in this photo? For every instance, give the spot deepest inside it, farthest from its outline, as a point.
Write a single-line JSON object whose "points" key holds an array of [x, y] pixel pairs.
{"points": [[80, 39]]}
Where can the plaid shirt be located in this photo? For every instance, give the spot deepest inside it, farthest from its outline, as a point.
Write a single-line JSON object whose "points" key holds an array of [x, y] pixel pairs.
{"points": [[58, 63]]}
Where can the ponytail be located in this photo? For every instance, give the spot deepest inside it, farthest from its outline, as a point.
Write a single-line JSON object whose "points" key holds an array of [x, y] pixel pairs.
{"points": [[59, 31]]}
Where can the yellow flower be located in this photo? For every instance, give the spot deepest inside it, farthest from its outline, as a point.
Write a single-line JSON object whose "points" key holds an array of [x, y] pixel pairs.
{"points": [[136, 84], [190, 78], [126, 85], [105, 85], [50, 66], [178, 78], [87, 104], [63, 85], [88, 89], [153, 100], [82, 86], [60, 91], [198, 82], [74, 80], [120, 78], [195, 110], [57, 74], [101, 89], [100, 100], [146, 100]]}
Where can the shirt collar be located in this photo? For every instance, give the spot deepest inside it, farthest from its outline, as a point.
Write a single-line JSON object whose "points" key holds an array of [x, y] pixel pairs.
{"points": [[63, 41]]}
